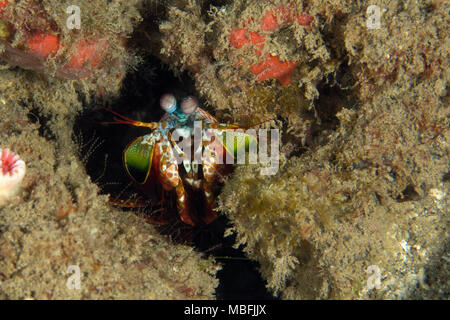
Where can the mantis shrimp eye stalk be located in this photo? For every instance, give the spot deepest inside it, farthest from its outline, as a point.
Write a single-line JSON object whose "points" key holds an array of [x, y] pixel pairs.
{"points": [[168, 103], [189, 105], [12, 171]]}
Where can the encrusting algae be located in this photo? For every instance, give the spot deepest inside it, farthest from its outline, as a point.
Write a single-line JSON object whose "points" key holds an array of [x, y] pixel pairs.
{"points": [[60, 219], [370, 155], [363, 198]]}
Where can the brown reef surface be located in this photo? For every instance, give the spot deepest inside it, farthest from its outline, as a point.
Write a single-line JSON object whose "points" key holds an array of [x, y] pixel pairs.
{"points": [[362, 188]]}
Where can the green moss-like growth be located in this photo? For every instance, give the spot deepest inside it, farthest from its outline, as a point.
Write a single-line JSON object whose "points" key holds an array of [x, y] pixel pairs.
{"points": [[59, 219], [326, 216], [59, 99], [374, 193], [365, 191]]}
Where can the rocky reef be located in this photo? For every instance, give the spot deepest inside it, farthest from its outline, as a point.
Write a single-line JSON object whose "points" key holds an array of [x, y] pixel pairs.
{"points": [[364, 118], [59, 222], [370, 191]]}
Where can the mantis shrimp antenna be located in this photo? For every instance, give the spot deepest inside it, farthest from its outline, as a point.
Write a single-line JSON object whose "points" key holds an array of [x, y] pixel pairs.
{"points": [[125, 120]]}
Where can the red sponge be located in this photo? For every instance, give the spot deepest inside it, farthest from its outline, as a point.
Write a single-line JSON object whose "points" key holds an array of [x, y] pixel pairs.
{"points": [[272, 67], [43, 45], [86, 53]]}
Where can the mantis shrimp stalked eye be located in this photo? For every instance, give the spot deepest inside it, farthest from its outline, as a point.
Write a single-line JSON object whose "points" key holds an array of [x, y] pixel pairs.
{"points": [[196, 163]]}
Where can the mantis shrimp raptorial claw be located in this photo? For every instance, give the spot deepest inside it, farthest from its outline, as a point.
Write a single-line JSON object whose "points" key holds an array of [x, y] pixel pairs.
{"points": [[197, 162]]}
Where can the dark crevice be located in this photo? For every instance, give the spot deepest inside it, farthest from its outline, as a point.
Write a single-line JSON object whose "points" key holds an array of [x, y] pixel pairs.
{"points": [[408, 194], [35, 116], [446, 177], [334, 94]]}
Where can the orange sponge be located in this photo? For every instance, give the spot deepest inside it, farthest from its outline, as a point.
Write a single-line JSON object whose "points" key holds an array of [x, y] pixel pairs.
{"points": [[43, 45], [86, 53], [272, 67]]}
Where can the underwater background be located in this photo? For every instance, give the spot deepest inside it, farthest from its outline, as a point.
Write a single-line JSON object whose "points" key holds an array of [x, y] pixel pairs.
{"points": [[358, 208]]}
